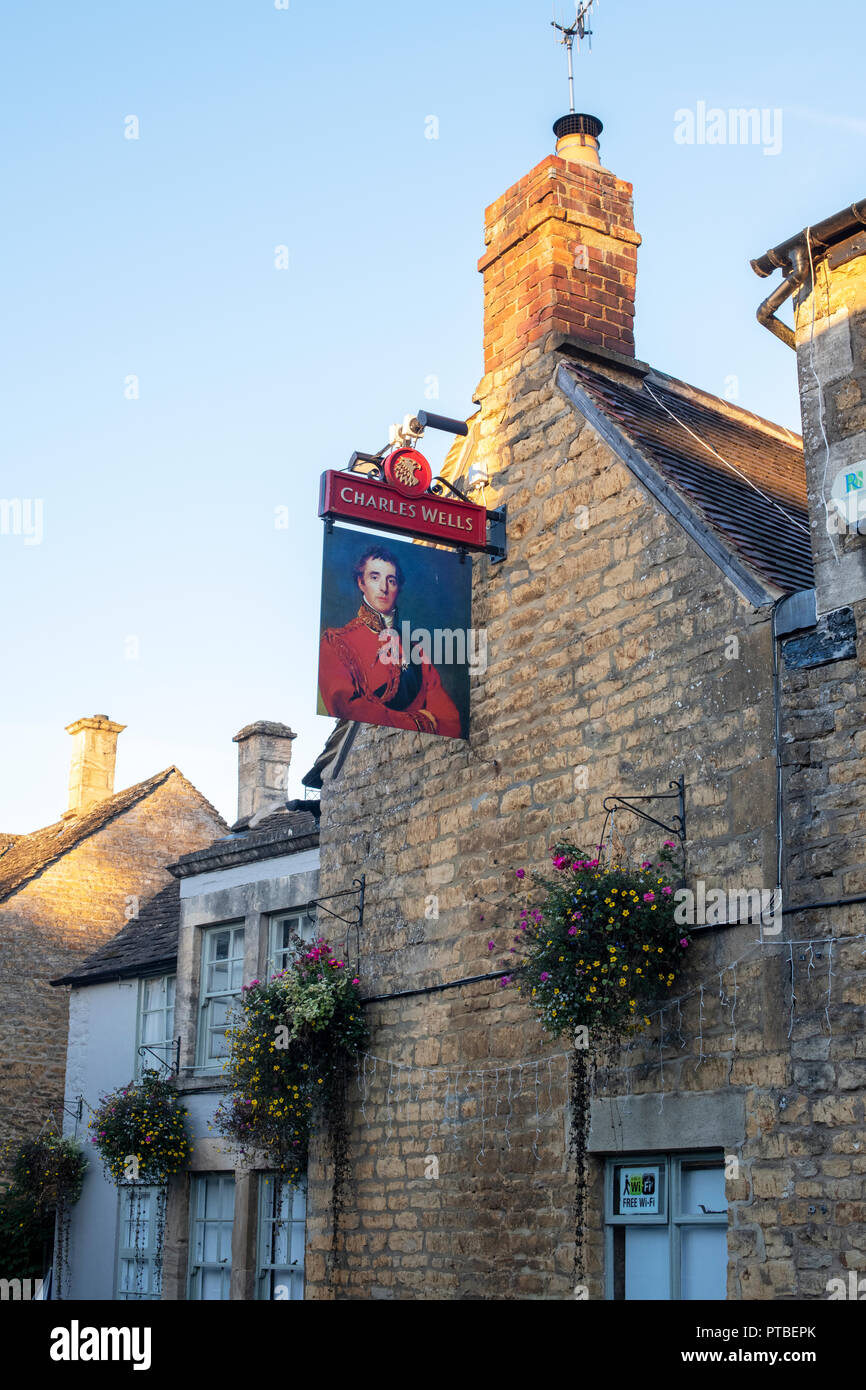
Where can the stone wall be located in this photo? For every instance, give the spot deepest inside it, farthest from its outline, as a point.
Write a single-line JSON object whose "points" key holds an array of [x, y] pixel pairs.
{"points": [[607, 672]]}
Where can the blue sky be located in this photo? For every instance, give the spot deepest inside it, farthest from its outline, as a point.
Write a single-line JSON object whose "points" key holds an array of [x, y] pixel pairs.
{"points": [[155, 258]]}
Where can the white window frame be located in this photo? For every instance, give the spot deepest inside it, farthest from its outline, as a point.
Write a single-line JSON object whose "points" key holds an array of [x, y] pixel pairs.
{"points": [[303, 923], [127, 1194], [198, 1222], [207, 997], [165, 1044], [673, 1218], [269, 1272]]}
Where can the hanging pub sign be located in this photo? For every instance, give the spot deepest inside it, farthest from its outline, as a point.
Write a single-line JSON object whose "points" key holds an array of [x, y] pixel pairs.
{"points": [[400, 501], [395, 647]]}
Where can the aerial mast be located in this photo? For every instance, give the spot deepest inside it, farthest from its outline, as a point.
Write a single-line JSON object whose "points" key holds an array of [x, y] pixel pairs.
{"points": [[579, 29]]}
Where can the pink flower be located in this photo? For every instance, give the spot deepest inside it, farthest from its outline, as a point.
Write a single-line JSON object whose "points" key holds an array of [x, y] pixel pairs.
{"points": [[544, 976], [667, 891], [491, 945], [572, 931], [578, 864], [649, 897], [356, 981], [558, 863], [646, 864], [520, 873], [593, 864], [506, 980], [683, 941], [669, 844]]}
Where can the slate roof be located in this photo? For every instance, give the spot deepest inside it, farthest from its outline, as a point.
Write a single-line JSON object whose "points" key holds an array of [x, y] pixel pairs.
{"points": [[286, 830], [743, 476], [31, 854], [140, 947]]}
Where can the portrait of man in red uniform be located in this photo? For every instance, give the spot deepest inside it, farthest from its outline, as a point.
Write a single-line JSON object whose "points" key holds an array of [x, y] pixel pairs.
{"points": [[365, 672]]}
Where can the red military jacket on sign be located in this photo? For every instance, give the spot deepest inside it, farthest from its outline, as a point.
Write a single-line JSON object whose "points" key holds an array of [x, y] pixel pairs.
{"points": [[356, 683]]}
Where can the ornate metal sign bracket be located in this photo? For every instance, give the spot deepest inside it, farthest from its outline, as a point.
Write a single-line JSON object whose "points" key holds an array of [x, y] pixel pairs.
{"points": [[353, 924], [173, 1067], [677, 827]]}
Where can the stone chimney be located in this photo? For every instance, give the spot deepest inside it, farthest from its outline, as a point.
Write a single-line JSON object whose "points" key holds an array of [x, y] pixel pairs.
{"points": [[91, 774], [561, 254], [264, 757], [831, 362]]}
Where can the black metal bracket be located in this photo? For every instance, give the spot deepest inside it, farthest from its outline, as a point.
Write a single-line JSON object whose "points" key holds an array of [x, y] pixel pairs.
{"points": [[359, 887], [173, 1067], [497, 539], [358, 457], [77, 1112], [677, 827], [451, 488]]}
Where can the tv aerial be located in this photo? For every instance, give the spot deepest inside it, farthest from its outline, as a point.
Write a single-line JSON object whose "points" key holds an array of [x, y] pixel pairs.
{"points": [[578, 29]]}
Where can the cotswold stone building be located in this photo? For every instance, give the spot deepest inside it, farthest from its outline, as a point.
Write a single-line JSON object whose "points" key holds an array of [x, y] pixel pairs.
{"points": [[674, 604], [67, 889]]}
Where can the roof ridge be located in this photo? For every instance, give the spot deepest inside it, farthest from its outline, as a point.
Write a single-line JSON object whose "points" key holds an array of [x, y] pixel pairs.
{"points": [[100, 814]]}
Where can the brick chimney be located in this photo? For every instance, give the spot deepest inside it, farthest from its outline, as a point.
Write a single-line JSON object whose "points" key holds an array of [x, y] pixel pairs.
{"points": [[264, 756], [561, 253], [91, 774]]}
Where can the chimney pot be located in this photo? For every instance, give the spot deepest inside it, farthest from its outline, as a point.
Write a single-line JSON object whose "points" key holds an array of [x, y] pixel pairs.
{"points": [[577, 138], [264, 757], [91, 773]]}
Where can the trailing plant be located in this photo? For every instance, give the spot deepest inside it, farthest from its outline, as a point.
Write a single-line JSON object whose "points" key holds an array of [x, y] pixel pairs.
{"points": [[139, 1131], [50, 1171], [47, 1178], [289, 1049], [595, 947], [140, 1134]]}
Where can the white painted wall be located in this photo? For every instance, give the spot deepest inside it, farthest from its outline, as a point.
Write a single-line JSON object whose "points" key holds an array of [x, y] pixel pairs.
{"points": [[100, 1058]]}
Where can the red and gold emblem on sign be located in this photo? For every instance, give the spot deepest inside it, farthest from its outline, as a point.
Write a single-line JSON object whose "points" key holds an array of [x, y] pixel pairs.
{"points": [[408, 471]]}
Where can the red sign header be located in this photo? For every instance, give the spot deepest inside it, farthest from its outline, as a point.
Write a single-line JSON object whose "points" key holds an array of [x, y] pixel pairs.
{"points": [[369, 502]]}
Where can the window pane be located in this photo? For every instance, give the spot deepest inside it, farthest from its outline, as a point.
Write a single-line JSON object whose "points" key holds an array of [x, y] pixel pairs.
{"points": [[704, 1261], [220, 945], [154, 993], [218, 978], [297, 1247], [211, 1284], [646, 1262], [703, 1189], [153, 1028]]}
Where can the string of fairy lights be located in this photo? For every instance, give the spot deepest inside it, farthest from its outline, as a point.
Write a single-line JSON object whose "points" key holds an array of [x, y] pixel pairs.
{"points": [[497, 1088]]}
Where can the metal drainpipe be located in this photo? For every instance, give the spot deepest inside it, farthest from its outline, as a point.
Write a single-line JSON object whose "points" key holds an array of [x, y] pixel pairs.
{"points": [[767, 311], [777, 740]]}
